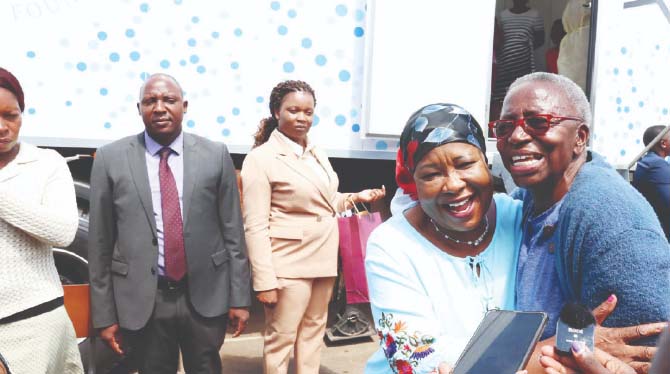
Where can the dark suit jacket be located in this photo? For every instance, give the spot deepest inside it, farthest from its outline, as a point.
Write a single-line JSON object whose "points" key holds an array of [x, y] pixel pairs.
{"points": [[123, 250], [652, 179]]}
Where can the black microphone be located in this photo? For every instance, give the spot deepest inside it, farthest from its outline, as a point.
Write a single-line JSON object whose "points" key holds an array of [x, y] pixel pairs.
{"points": [[575, 324]]}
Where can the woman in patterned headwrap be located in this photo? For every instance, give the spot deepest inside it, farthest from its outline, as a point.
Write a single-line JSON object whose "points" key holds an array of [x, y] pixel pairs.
{"points": [[435, 268]]}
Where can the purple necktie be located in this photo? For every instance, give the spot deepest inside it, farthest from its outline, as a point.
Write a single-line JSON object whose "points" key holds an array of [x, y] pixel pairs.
{"points": [[173, 235]]}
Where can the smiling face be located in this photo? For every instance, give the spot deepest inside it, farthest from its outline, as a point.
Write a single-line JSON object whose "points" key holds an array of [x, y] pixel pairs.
{"points": [[162, 108], [542, 162], [10, 123], [454, 186], [295, 116]]}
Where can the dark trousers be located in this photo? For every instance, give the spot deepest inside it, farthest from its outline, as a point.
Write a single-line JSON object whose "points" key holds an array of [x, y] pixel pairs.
{"points": [[175, 325]]}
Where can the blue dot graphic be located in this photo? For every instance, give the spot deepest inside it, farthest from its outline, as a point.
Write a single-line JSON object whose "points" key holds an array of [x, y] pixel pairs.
{"points": [[68, 103], [31, 111], [630, 72], [344, 75], [630, 126], [194, 59], [225, 132], [641, 104], [381, 145], [616, 71], [618, 100], [182, 62], [316, 120], [634, 89], [144, 76], [220, 119], [623, 152], [306, 43], [134, 55], [165, 64], [320, 60], [234, 65], [114, 57], [190, 123], [275, 5], [288, 67], [236, 111], [30, 54], [81, 66], [658, 47], [144, 7], [107, 125], [292, 13], [623, 50], [238, 32], [360, 15], [355, 127], [130, 33], [665, 111], [282, 30], [353, 113], [191, 42], [359, 31], [178, 2], [618, 109], [259, 99], [340, 120], [195, 19], [104, 91], [215, 34], [626, 109], [341, 10], [102, 35], [201, 69]]}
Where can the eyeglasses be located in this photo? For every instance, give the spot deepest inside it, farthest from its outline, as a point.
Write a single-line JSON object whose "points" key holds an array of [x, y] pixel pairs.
{"points": [[537, 124]]}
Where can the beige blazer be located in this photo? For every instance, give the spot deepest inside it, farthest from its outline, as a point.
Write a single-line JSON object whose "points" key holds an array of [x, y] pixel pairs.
{"points": [[289, 215]]}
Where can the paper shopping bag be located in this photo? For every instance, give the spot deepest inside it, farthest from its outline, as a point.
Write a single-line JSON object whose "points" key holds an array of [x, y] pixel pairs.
{"points": [[354, 233]]}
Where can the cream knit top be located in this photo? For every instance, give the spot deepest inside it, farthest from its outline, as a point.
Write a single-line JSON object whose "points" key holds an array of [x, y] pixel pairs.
{"points": [[38, 210]]}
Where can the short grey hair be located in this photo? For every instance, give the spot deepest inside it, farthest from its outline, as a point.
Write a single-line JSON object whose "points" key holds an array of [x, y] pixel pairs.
{"points": [[572, 91]]}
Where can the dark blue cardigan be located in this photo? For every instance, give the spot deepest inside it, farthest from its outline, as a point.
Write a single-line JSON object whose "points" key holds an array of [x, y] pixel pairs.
{"points": [[608, 241]]}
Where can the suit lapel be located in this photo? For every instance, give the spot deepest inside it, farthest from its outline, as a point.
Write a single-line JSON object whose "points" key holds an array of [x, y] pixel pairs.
{"points": [[191, 162], [286, 155], [138, 168]]}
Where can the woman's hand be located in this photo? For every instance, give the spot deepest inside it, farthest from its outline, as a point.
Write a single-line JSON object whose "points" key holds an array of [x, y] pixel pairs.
{"points": [[582, 361], [267, 297], [370, 195], [616, 340]]}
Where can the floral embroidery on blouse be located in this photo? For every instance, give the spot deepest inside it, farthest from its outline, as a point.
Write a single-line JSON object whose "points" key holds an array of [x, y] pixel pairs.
{"points": [[402, 349]]}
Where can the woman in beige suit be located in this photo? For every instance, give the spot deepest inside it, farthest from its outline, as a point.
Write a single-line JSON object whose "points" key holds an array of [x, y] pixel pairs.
{"points": [[290, 205]]}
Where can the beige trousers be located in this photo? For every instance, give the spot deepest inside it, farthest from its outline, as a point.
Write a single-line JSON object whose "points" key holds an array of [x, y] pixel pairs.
{"points": [[298, 321]]}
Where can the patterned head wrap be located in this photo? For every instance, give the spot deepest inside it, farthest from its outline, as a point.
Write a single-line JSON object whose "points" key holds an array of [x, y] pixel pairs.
{"points": [[428, 128], [9, 82]]}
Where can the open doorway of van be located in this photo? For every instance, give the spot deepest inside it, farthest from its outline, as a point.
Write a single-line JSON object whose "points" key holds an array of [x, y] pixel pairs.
{"points": [[538, 35]]}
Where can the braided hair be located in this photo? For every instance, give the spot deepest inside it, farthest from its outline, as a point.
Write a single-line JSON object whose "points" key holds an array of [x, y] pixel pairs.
{"points": [[267, 125]]}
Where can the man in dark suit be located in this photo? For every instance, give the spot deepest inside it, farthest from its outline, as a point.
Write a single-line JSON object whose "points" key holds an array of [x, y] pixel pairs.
{"points": [[652, 175], [167, 259]]}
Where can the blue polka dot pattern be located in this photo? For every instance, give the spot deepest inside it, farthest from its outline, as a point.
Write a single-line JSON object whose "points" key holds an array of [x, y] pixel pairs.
{"points": [[201, 69], [320, 60], [104, 91], [102, 35], [355, 127], [292, 13], [225, 132], [194, 59], [381, 145], [190, 123], [195, 19], [220, 119], [288, 67], [192, 42], [81, 66], [31, 111], [134, 55], [234, 65], [108, 125], [68, 103], [30, 54], [282, 30], [165, 64], [238, 32], [341, 10], [340, 120], [306, 43], [236, 111], [215, 34], [275, 5], [358, 32], [144, 7], [130, 33], [344, 75], [114, 57], [259, 99], [315, 120]]}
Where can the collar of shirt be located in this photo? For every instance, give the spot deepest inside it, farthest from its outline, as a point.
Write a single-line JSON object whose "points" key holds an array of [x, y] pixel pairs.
{"points": [[295, 147], [153, 147]]}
